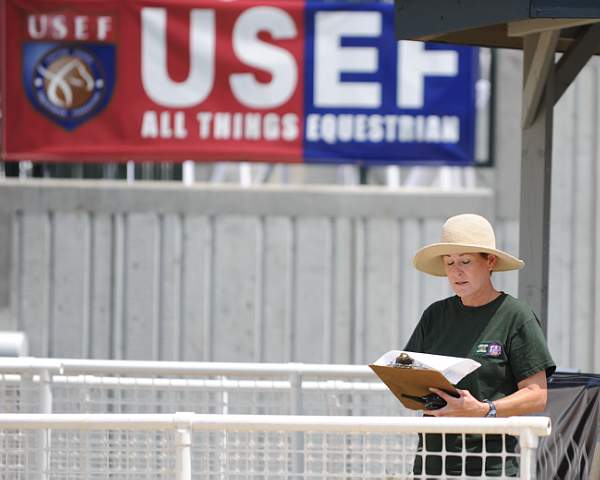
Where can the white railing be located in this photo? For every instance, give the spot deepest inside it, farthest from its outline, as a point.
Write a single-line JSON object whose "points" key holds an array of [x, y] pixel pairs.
{"points": [[31, 385], [186, 445]]}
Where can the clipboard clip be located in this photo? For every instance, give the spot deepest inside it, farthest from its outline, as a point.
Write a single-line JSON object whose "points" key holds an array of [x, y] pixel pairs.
{"points": [[404, 360]]}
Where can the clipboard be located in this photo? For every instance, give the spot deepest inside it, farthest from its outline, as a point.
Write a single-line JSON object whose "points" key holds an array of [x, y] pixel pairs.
{"points": [[412, 382]]}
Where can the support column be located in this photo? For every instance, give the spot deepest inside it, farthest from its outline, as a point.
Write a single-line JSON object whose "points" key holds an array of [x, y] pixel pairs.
{"points": [[183, 445], [529, 442], [536, 171]]}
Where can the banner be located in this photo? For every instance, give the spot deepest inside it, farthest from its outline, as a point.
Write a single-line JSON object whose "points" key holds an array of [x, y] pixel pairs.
{"points": [[240, 80]]}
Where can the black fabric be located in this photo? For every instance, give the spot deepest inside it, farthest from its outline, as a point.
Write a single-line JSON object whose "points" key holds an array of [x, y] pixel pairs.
{"points": [[574, 407]]}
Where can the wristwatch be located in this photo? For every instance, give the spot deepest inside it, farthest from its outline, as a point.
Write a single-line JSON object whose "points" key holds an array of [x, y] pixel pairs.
{"points": [[492, 411]]}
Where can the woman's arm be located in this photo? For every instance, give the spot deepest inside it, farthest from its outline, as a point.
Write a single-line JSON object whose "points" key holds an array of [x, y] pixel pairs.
{"points": [[529, 398]]}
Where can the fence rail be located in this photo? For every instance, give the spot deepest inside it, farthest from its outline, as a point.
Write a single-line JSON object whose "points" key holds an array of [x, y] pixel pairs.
{"points": [[32, 385], [152, 368], [186, 445]]}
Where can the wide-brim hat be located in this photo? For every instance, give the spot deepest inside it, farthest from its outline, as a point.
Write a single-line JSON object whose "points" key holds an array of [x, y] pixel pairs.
{"points": [[466, 233]]}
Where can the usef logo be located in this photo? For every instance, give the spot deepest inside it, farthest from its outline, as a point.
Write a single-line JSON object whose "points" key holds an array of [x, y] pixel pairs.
{"points": [[70, 80]]}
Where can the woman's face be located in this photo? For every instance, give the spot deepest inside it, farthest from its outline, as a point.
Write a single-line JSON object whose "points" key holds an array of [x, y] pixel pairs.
{"points": [[469, 273]]}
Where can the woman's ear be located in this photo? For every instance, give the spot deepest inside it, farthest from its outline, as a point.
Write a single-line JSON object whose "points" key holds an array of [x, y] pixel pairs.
{"points": [[492, 260]]}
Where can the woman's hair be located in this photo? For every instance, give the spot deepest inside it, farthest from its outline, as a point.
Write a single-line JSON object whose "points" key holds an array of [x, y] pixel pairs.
{"points": [[486, 256]]}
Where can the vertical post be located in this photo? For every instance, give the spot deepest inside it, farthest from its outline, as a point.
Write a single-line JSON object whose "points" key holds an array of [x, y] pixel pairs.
{"points": [[183, 445], [45, 392], [296, 407], [536, 176], [245, 170], [44, 406], [298, 437], [392, 176], [183, 456], [188, 172], [130, 172], [34, 457], [528, 443]]}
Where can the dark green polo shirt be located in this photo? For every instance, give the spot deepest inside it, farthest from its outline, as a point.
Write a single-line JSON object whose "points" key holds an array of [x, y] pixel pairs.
{"points": [[504, 336]]}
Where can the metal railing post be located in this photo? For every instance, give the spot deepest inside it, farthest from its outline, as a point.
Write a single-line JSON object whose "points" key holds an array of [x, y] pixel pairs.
{"points": [[44, 406], [297, 409], [529, 442], [32, 402], [183, 445], [45, 388]]}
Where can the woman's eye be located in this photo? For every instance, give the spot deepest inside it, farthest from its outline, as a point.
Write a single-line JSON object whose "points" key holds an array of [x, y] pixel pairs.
{"points": [[466, 262]]}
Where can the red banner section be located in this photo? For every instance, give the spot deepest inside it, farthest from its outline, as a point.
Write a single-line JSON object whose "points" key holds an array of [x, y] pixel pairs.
{"points": [[172, 80], [321, 81]]}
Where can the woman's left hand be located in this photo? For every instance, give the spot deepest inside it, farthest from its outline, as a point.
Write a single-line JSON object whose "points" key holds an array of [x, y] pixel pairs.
{"points": [[466, 405]]}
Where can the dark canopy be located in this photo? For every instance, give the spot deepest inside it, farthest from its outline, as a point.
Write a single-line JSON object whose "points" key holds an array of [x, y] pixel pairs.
{"points": [[492, 23]]}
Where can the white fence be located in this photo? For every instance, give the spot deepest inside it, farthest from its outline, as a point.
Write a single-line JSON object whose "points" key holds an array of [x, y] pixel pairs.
{"points": [[185, 445], [30, 385]]}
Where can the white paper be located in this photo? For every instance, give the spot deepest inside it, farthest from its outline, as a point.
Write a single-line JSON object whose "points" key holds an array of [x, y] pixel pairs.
{"points": [[453, 368]]}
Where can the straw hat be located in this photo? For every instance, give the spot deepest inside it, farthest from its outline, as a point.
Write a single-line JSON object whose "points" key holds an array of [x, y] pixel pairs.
{"points": [[467, 233]]}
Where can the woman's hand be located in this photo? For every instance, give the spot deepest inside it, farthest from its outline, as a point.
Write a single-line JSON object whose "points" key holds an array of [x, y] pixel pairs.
{"points": [[466, 405]]}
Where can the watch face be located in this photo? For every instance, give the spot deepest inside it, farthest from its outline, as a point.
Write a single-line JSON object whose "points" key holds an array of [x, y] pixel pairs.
{"points": [[492, 411]]}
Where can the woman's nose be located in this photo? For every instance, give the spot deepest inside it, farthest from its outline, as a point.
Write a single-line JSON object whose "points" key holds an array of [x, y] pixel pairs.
{"points": [[456, 270]]}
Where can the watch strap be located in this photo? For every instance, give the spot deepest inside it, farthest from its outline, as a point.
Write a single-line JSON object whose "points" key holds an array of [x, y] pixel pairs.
{"points": [[492, 412]]}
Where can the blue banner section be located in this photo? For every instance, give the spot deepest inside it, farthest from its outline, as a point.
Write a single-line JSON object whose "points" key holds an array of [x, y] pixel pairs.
{"points": [[370, 99]]}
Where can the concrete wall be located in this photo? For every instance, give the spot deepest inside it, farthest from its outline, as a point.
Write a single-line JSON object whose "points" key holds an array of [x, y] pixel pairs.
{"points": [[159, 271], [5, 254]]}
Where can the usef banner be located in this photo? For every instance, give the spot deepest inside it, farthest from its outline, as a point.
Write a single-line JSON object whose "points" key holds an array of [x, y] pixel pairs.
{"points": [[206, 80]]}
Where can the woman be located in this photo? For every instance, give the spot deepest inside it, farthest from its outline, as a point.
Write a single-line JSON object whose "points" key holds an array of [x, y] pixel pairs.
{"points": [[489, 326]]}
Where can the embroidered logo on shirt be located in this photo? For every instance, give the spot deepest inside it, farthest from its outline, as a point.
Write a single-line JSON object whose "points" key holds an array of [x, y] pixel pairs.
{"points": [[490, 349]]}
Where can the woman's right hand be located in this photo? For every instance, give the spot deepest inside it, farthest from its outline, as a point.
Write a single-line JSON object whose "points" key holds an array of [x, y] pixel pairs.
{"points": [[465, 405]]}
